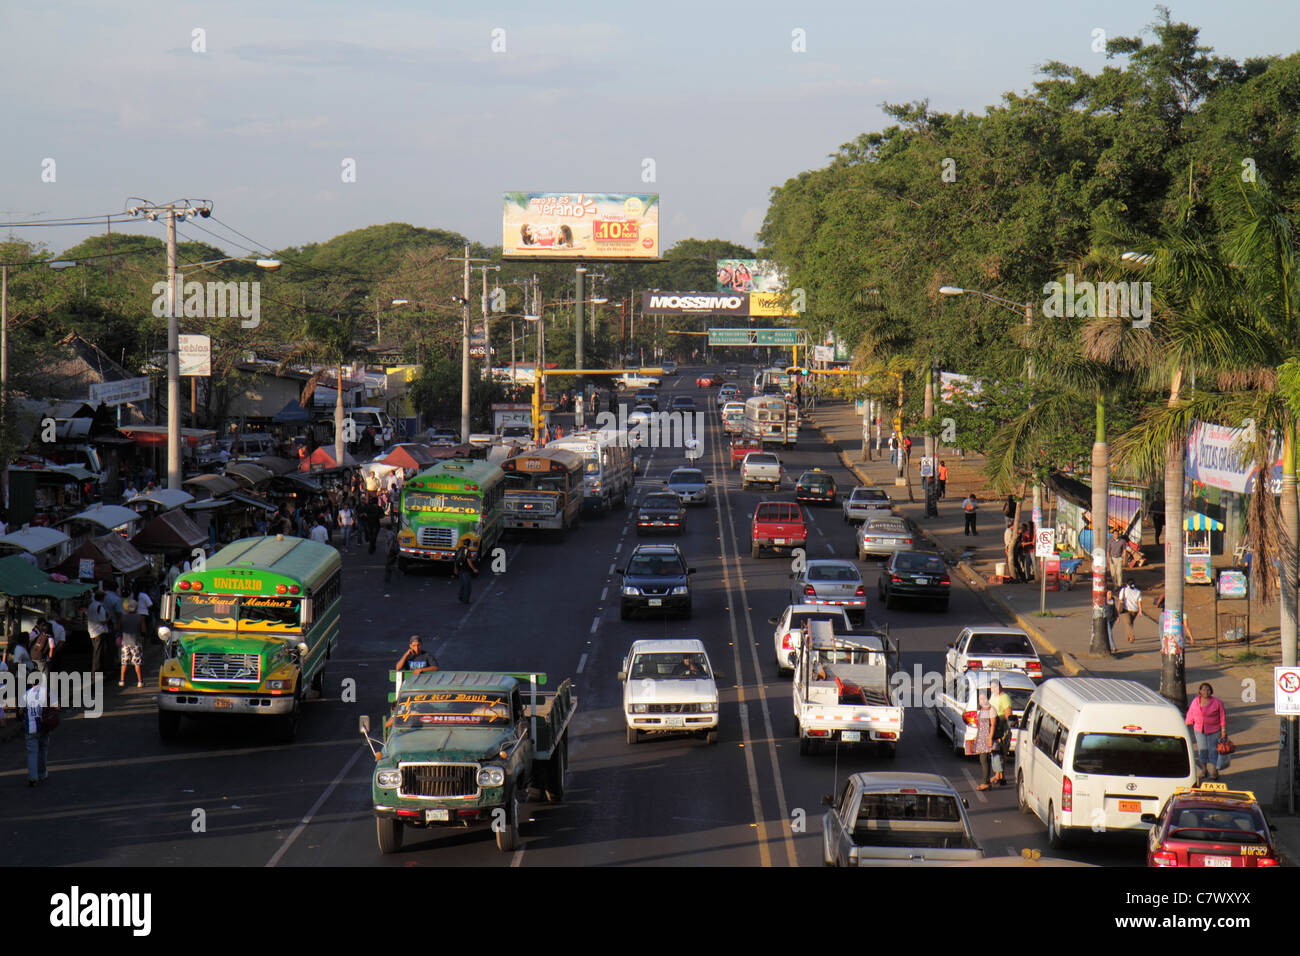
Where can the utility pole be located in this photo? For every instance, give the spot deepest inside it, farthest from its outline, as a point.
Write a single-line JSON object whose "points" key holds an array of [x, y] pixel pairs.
{"points": [[487, 339], [4, 379], [463, 299], [579, 275]]}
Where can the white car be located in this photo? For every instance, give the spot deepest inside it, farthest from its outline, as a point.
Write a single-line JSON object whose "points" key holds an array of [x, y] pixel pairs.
{"points": [[957, 705], [669, 687], [790, 626], [993, 648], [760, 468], [864, 502]]}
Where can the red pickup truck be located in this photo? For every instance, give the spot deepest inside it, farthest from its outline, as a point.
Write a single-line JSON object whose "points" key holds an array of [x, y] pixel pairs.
{"points": [[742, 447], [778, 525]]}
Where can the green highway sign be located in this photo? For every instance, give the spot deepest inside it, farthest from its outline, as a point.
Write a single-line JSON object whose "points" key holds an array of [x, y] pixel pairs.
{"points": [[754, 336]]}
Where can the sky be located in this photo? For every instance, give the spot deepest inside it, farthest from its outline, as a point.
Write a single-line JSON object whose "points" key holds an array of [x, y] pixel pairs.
{"points": [[442, 107]]}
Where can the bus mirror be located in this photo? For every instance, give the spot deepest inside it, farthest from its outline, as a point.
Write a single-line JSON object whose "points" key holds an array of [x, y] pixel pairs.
{"points": [[168, 610], [365, 723], [308, 609]]}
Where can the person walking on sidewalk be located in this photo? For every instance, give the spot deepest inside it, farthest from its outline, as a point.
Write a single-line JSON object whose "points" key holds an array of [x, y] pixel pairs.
{"points": [[1009, 508], [1209, 722], [392, 554], [130, 650], [969, 506], [1130, 597], [1112, 615], [1011, 549], [943, 478], [1115, 557], [1158, 515], [35, 701], [893, 450]]}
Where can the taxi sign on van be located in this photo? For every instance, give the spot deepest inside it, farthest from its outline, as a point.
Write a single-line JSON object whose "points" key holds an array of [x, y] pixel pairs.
{"points": [[1132, 728]]}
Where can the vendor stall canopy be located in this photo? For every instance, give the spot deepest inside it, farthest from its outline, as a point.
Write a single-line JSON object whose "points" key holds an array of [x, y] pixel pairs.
{"points": [[34, 540], [108, 517], [1195, 521], [20, 579]]}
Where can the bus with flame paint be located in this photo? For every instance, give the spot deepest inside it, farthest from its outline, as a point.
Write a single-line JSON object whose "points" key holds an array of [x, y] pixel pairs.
{"points": [[248, 632]]}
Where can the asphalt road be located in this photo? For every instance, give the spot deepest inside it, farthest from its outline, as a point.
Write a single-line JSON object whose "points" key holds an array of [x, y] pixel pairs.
{"points": [[222, 796]]}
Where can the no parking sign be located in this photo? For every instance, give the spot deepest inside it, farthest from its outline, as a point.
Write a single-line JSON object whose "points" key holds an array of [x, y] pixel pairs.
{"points": [[1045, 543], [1286, 691]]}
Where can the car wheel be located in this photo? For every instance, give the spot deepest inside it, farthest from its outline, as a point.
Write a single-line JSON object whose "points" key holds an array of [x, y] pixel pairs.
{"points": [[889, 601], [1055, 838], [754, 549], [633, 735], [938, 725], [744, 485], [888, 751], [805, 746], [862, 555], [318, 682], [388, 833], [1021, 798], [687, 613], [711, 737], [508, 833], [554, 790]]}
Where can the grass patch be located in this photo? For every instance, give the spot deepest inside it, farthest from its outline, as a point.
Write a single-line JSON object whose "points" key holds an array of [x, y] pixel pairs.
{"points": [[1047, 614]]}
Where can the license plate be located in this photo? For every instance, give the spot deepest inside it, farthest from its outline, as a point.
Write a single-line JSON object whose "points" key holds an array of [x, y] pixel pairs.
{"points": [[658, 523], [922, 580], [850, 736], [1217, 860], [1130, 806], [437, 816], [780, 541], [674, 721], [890, 541], [223, 703], [656, 602], [998, 665]]}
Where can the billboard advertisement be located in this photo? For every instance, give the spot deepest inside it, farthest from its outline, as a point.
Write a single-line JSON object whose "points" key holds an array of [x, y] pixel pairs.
{"points": [[195, 355], [120, 393], [580, 226], [770, 305], [694, 303], [1214, 458], [749, 275]]}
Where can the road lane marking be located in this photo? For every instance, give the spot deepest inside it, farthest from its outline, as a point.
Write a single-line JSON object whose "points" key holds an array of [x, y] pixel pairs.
{"points": [[611, 568], [582, 662], [970, 778], [604, 591], [518, 858], [595, 623], [320, 802]]}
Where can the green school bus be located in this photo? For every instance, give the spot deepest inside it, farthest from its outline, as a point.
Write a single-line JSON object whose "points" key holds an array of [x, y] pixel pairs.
{"points": [[457, 501], [250, 632]]}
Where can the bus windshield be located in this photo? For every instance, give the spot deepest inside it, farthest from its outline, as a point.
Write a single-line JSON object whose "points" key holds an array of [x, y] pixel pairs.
{"points": [[460, 504], [194, 608]]}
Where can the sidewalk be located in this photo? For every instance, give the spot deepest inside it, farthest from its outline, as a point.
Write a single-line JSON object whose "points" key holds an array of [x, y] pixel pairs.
{"points": [[1065, 633]]}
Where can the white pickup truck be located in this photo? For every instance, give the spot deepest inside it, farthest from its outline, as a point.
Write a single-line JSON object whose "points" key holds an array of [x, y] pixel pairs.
{"points": [[760, 468], [841, 689], [633, 380], [669, 686]]}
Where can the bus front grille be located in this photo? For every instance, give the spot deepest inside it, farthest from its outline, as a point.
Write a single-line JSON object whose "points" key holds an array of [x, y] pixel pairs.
{"points": [[227, 667], [437, 537], [439, 780]]}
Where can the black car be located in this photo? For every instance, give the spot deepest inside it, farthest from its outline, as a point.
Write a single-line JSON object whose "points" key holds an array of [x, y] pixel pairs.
{"points": [[915, 574], [683, 403], [646, 396], [656, 579], [661, 511], [815, 485]]}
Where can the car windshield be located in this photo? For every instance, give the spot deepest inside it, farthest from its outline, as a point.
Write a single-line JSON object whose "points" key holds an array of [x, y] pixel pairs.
{"points": [[455, 707], [869, 494], [818, 481], [799, 620], [919, 562], [643, 410], [686, 476], [1016, 644], [459, 504], [762, 459], [661, 501], [197, 608], [1131, 755], [666, 666], [655, 565], [833, 572], [1215, 825]]}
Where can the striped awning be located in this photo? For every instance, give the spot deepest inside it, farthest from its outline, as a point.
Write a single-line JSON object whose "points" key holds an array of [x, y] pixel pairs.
{"points": [[1195, 521]]}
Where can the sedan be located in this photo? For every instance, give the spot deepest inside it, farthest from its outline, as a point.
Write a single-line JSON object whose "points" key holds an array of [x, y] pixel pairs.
{"points": [[641, 415], [915, 574], [731, 371], [864, 502], [710, 380], [883, 537], [791, 623], [682, 403], [660, 511], [815, 485], [829, 582], [1211, 826], [647, 396], [728, 393], [689, 485]]}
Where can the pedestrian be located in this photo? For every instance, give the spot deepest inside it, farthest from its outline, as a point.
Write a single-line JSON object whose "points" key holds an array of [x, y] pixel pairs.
{"points": [[969, 506], [463, 567], [1000, 701], [369, 514], [1209, 722], [943, 478], [97, 626], [1115, 557], [1112, 615], [38, 727], [1026, 551], [578, 421], [346, 520], [319, 532], [416, 658], [392, 552], [984, 744], [907, 449], [893, 450], [130, 651], [1130, 598], [1011, 549], [1009, 508], [39, 647], [58, 639], [144, 607], [1158, 516]]}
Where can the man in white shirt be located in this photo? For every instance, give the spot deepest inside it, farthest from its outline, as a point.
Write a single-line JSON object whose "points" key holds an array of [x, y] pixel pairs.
{"points": [[97, 625], [58, 635], [1130, 599], [38, 741], [320, 533], [144, 607], [346, 521]]}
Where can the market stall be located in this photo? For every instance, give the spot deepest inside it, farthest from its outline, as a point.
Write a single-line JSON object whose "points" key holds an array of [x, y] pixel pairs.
{"points": [[1197, 529], [46, 545], [28, 592], [104, 557]]}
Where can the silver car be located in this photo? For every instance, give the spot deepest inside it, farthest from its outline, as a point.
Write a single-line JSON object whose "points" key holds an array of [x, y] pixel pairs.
{"points": [[881, 537], [690, 486], [830, 582], [863, 503]]}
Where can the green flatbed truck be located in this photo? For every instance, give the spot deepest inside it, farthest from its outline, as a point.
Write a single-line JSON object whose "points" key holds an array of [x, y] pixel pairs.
{"points": [[462, 749]]}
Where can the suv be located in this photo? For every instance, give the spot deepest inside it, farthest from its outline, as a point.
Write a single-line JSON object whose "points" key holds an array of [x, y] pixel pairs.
{"points": [[656, 579], [777, 525], [646, 396]]}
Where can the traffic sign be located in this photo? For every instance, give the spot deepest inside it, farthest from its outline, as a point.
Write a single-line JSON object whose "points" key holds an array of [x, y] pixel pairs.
{"points": [[1045, 543], [927, 467], [754, 336], [1286, 692]]}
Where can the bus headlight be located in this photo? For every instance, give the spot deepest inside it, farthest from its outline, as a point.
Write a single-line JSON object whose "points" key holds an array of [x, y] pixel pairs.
{"points": [[388, 779], [277, 685], [492, 777]]}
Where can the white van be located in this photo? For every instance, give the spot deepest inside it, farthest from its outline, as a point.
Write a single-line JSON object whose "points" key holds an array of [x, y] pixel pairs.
{"points": [[1097, 753], [372, 415]]}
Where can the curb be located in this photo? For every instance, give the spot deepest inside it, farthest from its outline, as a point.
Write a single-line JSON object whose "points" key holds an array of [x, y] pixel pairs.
{"points": [[994, 602]]}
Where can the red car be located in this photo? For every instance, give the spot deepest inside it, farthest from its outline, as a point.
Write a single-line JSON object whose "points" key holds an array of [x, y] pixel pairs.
{"points": [[710, 380], [1212, 826]]}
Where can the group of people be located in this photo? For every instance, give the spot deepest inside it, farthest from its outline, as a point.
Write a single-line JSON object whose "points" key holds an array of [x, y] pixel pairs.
{"points": [[992, 741], [1018, 544]]}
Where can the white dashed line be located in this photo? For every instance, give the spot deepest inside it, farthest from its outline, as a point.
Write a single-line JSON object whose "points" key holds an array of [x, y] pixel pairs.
{"points": [[604, 592], [970, 778], [582, 662], [595, 623], [611, 568]]}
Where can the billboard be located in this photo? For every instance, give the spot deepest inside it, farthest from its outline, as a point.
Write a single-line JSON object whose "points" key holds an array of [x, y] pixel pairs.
{"points": [[1214, 458], [120, 393], [749, 275], [580, 226], [195, 355], [770, 305], [694, 303]]}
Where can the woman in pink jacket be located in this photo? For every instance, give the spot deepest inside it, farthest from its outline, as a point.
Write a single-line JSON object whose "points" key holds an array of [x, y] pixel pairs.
{"points": [[1209, 723]]}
